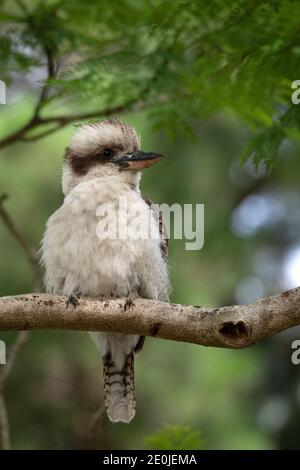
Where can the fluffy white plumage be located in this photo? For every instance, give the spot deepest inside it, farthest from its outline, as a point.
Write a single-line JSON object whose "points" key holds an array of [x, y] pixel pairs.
{"points": [[77, 261]]}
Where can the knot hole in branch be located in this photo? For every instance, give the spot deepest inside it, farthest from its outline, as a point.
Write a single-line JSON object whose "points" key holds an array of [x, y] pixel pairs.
{"points": [[235, 333]]}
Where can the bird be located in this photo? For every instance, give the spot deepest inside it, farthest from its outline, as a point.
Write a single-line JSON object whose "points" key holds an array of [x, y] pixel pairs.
{"points": [[102, 164]]}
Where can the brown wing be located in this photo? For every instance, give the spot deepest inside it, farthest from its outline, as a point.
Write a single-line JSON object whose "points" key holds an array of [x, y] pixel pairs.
{"points": [[164, 242]]}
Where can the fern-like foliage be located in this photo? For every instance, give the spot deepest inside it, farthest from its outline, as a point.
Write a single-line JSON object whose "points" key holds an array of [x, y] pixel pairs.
{"points": [[183, 58]]}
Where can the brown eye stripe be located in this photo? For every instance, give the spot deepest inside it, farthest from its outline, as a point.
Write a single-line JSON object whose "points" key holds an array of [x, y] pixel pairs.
{"points": [[81, 165]]}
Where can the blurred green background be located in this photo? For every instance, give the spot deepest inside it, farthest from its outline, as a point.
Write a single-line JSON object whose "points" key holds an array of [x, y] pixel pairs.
{"points": [[244, 399], [238, 399]]}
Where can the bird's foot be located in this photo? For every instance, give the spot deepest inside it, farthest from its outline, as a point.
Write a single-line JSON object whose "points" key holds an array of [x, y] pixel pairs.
{"points": [[73, 299], [130, 301]]}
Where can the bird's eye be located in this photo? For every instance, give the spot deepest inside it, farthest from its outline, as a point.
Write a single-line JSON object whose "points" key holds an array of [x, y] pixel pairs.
{"points": [[106, 154]]}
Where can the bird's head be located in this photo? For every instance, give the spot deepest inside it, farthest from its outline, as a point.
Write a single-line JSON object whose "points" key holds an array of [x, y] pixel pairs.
{"points": [[104, 149]]}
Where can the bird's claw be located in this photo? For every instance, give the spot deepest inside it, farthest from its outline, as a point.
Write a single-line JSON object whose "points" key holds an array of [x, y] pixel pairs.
{"points": [[129, 303], [73, 300]]}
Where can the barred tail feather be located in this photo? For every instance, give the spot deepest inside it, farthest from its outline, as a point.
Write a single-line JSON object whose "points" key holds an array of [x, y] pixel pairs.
{"points": [[119, 389]]}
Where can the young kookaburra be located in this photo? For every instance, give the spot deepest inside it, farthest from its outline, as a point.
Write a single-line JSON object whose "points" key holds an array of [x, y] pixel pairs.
{"points": [[102, 163]]}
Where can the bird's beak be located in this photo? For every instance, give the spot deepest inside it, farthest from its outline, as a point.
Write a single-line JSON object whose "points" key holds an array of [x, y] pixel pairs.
{"points": [[138, 160]]}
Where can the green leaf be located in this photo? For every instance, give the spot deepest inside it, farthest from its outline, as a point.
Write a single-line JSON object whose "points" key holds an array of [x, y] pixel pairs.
{"points": [[172, 437]]}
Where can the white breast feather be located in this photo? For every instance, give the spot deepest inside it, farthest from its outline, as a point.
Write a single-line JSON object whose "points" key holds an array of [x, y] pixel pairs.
{"points": [[77, 261]]}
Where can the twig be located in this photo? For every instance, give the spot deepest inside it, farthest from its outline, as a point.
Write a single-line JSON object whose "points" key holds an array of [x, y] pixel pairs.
{"points": [[62, 121], [31, 255], [42, 134], [22, 6], [20, 133], [4, 425], [96, 421], [12, 356]]}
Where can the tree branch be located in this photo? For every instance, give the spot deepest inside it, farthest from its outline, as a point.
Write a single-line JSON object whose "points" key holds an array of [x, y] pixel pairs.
{"points": [[61, 121], [37, 121], [234, 326], [31, 255]]}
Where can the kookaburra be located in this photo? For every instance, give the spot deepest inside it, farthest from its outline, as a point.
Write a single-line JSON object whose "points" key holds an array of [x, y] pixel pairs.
{"points": [[102, 163]]}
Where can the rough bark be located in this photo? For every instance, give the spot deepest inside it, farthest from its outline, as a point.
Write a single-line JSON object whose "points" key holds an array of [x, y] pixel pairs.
{"points": [[234, 326]]}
